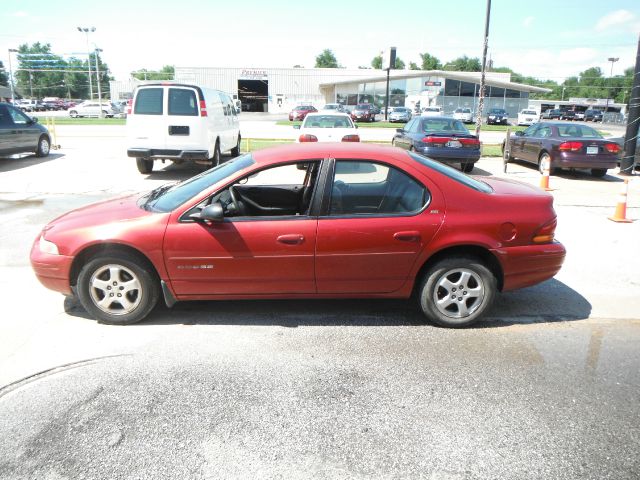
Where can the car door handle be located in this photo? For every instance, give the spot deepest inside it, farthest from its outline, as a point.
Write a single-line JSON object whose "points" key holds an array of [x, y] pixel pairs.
{"points": [[411, 236], [291, 239]]}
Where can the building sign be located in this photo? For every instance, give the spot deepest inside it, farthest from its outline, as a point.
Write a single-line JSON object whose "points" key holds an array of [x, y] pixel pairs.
{"points": [[431, 83], [253, 75]]}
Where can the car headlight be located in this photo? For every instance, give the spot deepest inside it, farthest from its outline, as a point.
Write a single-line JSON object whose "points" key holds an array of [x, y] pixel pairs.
{"points": [[48, 247]]}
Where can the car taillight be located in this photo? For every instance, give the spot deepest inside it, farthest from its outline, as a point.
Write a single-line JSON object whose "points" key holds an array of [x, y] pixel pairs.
{"points": [[546, 232], [570, 146], [307, 138], [612, 147], [129, 106], [469, 142], [436, 141], [351, 138], [203, 108]]}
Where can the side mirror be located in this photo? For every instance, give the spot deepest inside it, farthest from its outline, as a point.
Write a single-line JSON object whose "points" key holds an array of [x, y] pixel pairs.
{"points": [[519, 133], [212, 213], [34, 119], [400, 130]]}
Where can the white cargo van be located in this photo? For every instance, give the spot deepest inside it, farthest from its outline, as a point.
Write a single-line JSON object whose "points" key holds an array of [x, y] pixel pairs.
{"points": [[177, 122]]}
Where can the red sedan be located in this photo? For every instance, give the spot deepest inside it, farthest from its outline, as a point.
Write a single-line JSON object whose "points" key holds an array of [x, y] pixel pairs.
{"points": [[300, 112], [307, 221]]}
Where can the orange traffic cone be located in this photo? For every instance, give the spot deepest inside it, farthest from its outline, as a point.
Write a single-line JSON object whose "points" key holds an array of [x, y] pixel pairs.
{"points": [[620, 215], [544, 180]]}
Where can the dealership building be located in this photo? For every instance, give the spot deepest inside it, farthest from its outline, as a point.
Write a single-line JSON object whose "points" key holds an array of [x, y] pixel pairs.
{"points": [[278, 90]]}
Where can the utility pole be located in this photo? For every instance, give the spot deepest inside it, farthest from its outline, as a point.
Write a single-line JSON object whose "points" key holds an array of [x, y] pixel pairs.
{"points": [[86, 30], [482, 74], [633, 118], [13, 88], [98, 80]]}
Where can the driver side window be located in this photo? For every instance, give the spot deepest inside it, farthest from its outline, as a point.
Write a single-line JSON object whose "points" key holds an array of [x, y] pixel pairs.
{"points": [[285, 190]]}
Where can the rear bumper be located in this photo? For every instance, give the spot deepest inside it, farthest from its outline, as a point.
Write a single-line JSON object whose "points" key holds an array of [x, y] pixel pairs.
{"points": [[530, 264], [154, 153], [450, 155], [579, 160]]}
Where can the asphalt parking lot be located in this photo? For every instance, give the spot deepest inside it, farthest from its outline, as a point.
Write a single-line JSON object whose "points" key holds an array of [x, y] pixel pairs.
{"points": [[546, 387]]}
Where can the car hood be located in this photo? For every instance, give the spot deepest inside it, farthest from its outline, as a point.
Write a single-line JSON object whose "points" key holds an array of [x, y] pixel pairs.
{"points": [[121, 209]]}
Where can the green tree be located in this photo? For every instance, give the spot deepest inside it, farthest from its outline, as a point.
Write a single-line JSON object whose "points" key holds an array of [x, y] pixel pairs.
{"points": [[165, 73], [4, 76], [413, 66], [326, 59], [429, 62], [464, 64], [40, 73], [377, 63]]}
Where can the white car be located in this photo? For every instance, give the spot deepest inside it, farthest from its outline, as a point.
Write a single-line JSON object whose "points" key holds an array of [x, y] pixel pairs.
{"points": [[92, 109], [527, 117], [432, 112], [327, 127], [465, 115]]}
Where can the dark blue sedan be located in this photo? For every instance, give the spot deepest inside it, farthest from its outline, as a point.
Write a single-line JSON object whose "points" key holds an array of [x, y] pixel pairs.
{"points": [[441, 138]]}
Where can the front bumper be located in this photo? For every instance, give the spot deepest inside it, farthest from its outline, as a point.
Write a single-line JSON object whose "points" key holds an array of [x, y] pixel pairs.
{"points": [[51, 270]]}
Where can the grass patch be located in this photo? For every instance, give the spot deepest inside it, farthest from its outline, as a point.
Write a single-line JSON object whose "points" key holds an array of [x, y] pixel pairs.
{"points": [[82, 121], [491, 151]]}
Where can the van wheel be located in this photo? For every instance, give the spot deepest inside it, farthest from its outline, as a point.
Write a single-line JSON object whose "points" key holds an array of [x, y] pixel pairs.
{"points": [[235, 151], [144, 165], [43, 147], [215, 160]]}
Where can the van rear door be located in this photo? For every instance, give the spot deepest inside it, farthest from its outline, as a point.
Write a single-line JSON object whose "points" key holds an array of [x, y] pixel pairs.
{"points": [[146, 126], [187, 129]]}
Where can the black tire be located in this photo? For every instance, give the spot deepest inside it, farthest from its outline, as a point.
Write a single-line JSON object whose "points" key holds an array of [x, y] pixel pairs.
{"points": [[466, 167], [144, 165], [215, 160], [440, 282], [120, 274], [235, 151], [73, 114], [44, 146], [598, 172]]}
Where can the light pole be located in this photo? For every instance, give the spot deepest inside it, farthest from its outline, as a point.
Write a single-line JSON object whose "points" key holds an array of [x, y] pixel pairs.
{"points": [[86, 30], [13, 98], [98, 50], [612, 60], [562, 99]]}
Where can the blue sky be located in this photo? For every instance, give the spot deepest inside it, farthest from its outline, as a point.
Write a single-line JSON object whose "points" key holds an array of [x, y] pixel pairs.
{"points": [[545, 38]]}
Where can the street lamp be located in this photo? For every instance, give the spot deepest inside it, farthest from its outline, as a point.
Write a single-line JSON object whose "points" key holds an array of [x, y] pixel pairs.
{"points": [[13, 99], [98, 50], [86, 30], [612, 60]]}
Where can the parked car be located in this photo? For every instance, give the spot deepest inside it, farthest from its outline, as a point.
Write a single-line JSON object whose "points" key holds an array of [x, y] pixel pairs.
{"points": [[497, 116], [363, 112], [342, 220], [27, 105], [636, 156], [20, 133], [465, 115], [579, 115], [441, 138], [527, 117], [568, 115], [431, 111], [333, 107], [301, 111], [181, 122], [551, 114], [92, 108], [593, 116], [327, 127], [399, 114], [554, 145]]}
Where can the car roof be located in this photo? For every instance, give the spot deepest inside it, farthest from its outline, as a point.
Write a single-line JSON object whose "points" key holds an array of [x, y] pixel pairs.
{"points": [[315, 151], [325, 114]]}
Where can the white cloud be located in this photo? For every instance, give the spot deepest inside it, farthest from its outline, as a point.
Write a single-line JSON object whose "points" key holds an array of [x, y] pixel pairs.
{"points": [[614, 19], [528, 22], [20, 14]]}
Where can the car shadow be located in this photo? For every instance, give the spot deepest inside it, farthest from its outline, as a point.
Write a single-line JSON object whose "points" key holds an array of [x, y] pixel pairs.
{"points": [[570, 173], [549, 302], [17, 162]]}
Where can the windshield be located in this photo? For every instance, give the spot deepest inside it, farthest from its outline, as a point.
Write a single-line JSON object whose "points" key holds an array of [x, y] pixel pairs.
{"points": [[452, 173], [331, 106], [364, 106], [528, 112], [432, 109], [497, 111], [577, 131], [169, 197], [443, 125]]}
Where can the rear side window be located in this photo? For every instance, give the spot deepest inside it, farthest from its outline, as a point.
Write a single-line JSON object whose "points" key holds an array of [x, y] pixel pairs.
{"points": [[149, 101], [183, 101]]}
